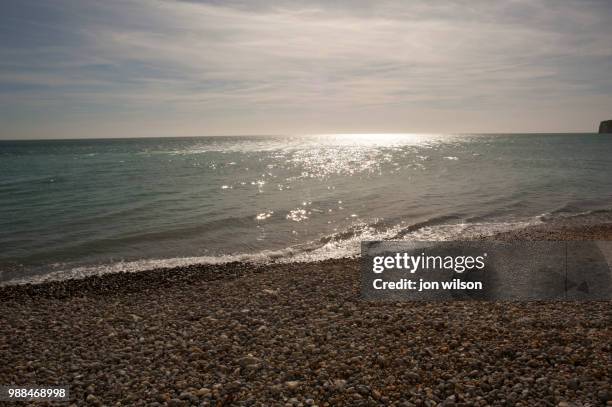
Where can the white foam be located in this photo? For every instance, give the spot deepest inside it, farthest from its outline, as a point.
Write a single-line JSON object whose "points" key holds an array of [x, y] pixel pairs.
{"points": [[467, 230], [134, 266], [336, 247]]}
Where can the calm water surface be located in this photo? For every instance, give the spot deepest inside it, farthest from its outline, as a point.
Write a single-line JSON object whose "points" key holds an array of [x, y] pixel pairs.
{"points": [[92, 206]]}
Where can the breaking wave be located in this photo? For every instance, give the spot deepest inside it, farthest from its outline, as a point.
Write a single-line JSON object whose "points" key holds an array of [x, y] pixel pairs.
{"points": [[344, 244]]}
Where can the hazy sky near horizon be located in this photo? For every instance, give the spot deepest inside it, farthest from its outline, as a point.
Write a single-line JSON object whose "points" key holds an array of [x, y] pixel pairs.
{"points": [[133, 68]]}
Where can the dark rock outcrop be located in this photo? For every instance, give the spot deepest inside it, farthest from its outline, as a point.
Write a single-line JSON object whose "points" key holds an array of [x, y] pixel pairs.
{"points": [[605, 127]]}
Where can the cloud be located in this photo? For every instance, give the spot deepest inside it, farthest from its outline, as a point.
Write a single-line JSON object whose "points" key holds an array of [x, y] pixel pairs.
{"points": [[251, 62]]}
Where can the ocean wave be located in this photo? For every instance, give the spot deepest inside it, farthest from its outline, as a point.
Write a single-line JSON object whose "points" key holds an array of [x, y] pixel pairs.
{"points": [[571, 212], [345, 244]]}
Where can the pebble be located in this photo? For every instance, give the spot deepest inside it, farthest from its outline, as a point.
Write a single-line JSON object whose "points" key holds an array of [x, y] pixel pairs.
{"points": [[292, 385], [238, 334], [339, 384]]}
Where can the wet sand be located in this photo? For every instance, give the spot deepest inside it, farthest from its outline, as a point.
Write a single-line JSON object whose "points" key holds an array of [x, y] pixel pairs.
{"points": [[298, 334]]}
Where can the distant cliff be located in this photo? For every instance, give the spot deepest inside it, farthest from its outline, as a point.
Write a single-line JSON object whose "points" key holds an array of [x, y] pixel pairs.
{"points": [[605, 127]]}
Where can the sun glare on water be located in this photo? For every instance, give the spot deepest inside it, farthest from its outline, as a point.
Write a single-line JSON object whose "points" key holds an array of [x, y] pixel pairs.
{"points": [[377, 139], [348, 154]]}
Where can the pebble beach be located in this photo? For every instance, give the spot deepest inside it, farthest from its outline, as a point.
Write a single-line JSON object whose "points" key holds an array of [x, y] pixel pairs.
{"points": [[299, 335]]}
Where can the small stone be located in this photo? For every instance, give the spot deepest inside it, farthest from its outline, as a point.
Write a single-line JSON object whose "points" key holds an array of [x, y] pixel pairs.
{"points": [[339, 384], [248, 361], [414, 377], [292, 385], [93, 400], [203, 392], [175, 403], [573, 383], [524, 321], [275, 389], [310, 348], [136, 318], [185, 396], [363, 390]]}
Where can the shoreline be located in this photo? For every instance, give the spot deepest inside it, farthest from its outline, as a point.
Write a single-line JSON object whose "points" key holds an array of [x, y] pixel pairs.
{"points": [[572, 231], [298, 334], [130, 281]]}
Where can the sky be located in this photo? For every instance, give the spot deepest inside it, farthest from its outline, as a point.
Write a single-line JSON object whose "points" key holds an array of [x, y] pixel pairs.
{"points": [[138, 68]]}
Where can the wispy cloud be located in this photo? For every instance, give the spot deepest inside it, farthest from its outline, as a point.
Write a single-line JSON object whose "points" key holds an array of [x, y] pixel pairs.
{"points": [[197, 67]]}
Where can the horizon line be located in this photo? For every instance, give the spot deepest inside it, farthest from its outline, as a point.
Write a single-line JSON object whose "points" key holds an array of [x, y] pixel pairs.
{"points": [[301, 135]]}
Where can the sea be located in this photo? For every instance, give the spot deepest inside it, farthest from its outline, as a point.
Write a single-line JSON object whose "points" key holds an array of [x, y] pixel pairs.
{"points": [[73, 208]]}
